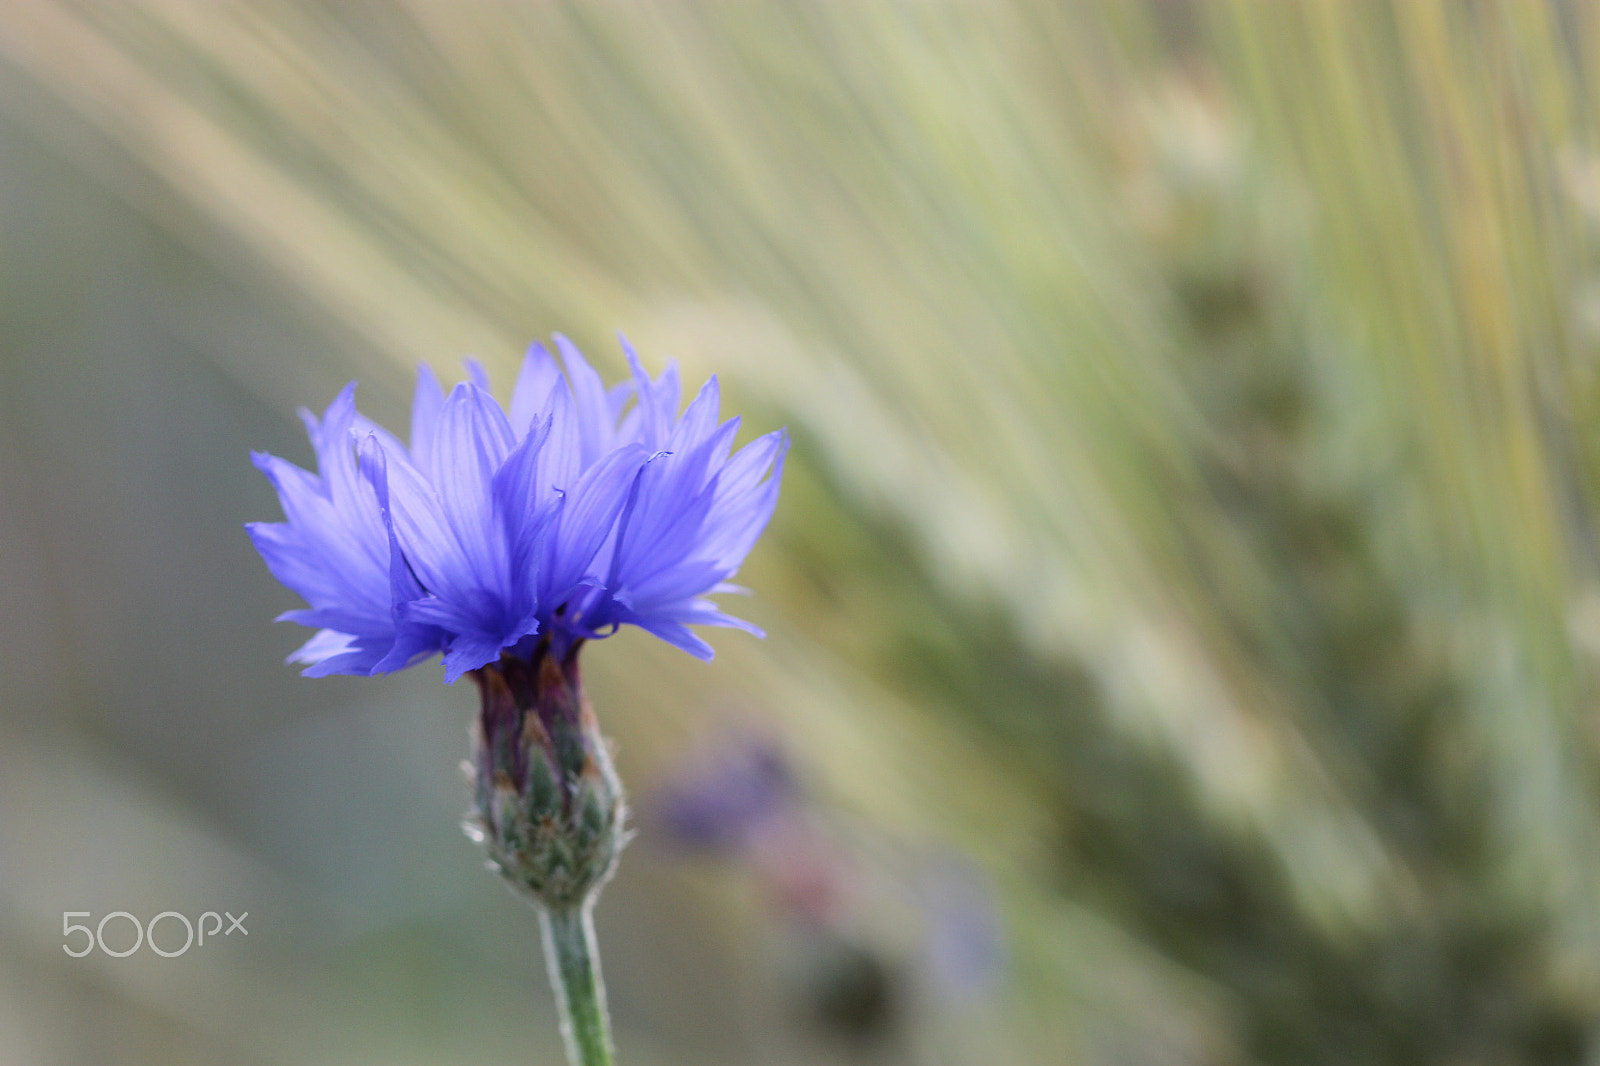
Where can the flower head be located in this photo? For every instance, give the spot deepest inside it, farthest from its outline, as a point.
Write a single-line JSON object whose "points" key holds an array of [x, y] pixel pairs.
{"points": [[496, 532]]}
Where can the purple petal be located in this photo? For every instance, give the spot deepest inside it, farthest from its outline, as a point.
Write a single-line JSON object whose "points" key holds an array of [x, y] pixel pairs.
{"points": [[661, 527], [444, 614], [474, 439], [478, 375], [560, 460], [296, 566], [742, 512], [617, 397], [699, 419], [586, 520], [676, 582], [353, 623], [327, 550], [330, 652], [469, 653], [706, 613], [676, 635], [412, 644], [425, 405], [750, 463], [595, 426], [336, 460], [653, 423], [539, 374], [525, 504], [420, 529]]}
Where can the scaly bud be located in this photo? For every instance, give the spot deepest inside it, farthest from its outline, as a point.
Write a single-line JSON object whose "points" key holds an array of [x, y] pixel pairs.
{"points": [[548, 805]]}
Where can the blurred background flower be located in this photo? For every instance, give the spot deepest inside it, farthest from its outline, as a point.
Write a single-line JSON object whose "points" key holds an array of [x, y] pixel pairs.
{"points": [[1187, 550]]}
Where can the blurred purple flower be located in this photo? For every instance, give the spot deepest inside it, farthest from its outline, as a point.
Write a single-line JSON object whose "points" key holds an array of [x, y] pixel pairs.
{"points": [[496, 532], [721, 804]]}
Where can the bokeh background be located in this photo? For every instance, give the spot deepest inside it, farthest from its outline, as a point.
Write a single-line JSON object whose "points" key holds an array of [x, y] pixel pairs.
{"points": [[1184, 603]]}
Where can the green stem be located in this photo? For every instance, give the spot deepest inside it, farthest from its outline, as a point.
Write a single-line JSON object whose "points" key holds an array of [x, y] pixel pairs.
{"points": [[574, 964]]}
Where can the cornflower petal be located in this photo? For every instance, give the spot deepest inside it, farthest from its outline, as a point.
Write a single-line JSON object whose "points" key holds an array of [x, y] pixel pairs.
{"points": [[328, 551], [469, 652], [586, 520], [412, 640], [474, 438], [617, 397], [750, 464], [525, 503], [301, 564], [323, 645], [652, 422], [539, 374], [342, 619], [421, 530], [706, 613], [330, 652], [672, 585], [744, 505], [674, 633], [351, 505], [662, 526], [372, 454], [595, 428], [561, 459], [425, 405], [699, 418], [477, 374], [448, 615]]}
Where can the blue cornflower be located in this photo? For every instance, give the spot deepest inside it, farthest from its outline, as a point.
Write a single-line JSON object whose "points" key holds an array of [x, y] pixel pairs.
{"points": [[506, 539], [519, 532]]}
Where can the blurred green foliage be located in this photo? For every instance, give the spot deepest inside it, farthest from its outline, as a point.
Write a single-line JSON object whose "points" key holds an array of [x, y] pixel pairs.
{"points": [[1192, 518]]}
